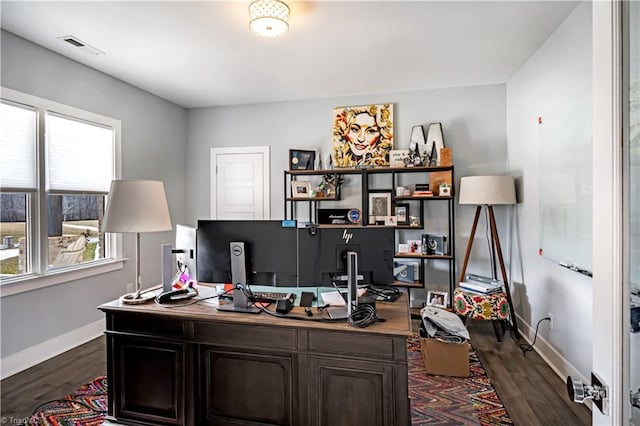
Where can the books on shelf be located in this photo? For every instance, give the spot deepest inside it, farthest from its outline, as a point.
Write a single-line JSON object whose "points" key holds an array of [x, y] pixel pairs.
{"points": [[480, 284], [422, 193]]}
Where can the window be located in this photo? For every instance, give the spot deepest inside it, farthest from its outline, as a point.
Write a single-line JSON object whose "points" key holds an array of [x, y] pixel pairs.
{"points": [[56, 167]]}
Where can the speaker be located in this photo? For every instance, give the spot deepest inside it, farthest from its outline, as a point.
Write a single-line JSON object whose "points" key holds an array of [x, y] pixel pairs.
{"points": [[238, 263], [167, 267]]}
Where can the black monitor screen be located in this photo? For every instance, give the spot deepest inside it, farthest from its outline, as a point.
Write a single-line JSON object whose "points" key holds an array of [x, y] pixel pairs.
{"points": [[271, 251], [323, 254]]}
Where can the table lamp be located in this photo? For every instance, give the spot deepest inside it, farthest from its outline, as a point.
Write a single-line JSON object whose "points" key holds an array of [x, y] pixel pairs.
{"points": [[489, 191], [136, 206]]}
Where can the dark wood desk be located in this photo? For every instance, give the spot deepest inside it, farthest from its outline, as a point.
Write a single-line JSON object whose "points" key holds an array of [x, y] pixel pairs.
{"points": [[194, 365]]}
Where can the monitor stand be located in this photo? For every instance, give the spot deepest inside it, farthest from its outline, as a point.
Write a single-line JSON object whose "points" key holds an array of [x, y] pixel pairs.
{"points": [[239, 277], [344, 312], [240, 303]]}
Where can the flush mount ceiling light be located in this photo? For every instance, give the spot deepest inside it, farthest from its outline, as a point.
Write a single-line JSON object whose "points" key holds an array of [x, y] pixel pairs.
{"points": [[269, 18]]}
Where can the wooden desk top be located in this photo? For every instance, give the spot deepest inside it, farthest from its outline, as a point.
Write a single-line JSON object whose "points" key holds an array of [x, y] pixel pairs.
{"points": [[395, 313]]}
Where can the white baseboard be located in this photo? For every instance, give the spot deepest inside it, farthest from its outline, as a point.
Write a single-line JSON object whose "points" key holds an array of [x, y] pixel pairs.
{"points": [[549, 354], [34, 355]]}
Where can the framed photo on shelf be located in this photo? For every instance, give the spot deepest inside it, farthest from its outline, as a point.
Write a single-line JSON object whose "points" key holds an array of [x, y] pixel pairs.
{"points": [[300, 189], [379, 206], [402, 213], [437, 299], [301, 159]]}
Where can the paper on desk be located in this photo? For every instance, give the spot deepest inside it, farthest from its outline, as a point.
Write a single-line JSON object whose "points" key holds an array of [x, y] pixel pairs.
{"points": [[334, 298]]}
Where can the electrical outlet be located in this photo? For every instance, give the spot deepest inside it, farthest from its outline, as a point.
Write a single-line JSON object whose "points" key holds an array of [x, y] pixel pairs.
{"points": [[130, 288], [550, 315]]}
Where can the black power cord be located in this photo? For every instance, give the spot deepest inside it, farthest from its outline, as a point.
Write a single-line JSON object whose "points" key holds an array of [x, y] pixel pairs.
{"points": [[363, 316], [525, 347]]}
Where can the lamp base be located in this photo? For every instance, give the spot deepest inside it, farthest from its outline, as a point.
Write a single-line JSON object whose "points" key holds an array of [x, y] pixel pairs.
{"points": [[131, 299]]}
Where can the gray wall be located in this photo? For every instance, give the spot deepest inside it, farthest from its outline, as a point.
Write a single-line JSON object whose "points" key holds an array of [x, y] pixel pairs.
{"points": [[153, 140], [473, 120], [559, 71]]}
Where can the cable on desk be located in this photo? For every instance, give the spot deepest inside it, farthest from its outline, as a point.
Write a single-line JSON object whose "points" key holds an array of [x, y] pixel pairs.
{"points": [[191, 302], [295, 318], [362, 316], [386, 293]]}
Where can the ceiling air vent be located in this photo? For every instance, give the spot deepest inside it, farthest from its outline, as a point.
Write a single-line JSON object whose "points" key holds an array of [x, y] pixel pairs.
{"points": [[75, 42]]}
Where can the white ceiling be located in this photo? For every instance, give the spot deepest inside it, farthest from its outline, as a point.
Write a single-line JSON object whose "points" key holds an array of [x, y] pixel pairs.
{"points": [[200, 54]]}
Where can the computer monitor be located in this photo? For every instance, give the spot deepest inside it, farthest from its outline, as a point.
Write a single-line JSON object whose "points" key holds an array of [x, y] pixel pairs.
{"points": [[323, 254], [185, 248], [270, 251]]}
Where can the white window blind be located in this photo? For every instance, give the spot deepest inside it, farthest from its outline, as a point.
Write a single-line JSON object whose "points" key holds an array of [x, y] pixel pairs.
{"points": [[79, 155], [17, 147]]}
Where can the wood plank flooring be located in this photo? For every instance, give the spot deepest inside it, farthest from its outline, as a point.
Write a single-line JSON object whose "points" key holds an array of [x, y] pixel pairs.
{"points": [[532, 393]]}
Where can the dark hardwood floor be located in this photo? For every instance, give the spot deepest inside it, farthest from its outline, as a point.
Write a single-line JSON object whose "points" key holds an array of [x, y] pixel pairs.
{"points": [[532, 393], [54, 378]]}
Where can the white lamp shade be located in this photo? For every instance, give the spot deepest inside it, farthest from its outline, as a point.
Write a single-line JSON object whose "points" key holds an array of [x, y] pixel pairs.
{"points": [[489, 190], [136, 206]]}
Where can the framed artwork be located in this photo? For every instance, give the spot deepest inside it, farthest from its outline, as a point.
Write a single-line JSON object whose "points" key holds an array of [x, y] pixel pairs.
{"points": [[300, 189], [437, 299], [402, 213], [379, 206], [362, 135], [301, 160]]}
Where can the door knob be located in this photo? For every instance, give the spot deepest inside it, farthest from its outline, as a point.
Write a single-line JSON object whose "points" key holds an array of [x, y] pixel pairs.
{"points": [[596, 391]]}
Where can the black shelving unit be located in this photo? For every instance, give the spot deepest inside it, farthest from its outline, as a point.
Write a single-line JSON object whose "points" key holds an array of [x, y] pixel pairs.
{"points": [[291, 210]]}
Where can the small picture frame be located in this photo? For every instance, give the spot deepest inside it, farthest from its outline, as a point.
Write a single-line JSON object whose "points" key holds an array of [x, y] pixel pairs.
{"points": [[390, 221], [300, 189], [402, 213], [415, 246], [379, 205], [301, 159], [403, 248], [437, 299]]}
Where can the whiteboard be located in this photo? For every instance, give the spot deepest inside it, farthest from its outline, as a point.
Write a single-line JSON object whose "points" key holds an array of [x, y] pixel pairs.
{"points": [[565, 190]]}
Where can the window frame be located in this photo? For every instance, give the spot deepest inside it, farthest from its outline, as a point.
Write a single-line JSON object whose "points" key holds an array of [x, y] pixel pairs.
{"points": [[40, 275]]}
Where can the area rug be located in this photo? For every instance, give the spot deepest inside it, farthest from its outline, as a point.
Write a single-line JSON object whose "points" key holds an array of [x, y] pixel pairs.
{"points": [[442, 400], [85, 407], [435, 400]]}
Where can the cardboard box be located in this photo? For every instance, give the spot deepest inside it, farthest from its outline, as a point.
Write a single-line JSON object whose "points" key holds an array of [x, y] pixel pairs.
{"points": [[445, 359]]}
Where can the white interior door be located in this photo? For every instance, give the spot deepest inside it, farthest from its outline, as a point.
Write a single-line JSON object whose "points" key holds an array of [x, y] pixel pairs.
{"points": [[631, 129], [609, 298], [240, 183]]}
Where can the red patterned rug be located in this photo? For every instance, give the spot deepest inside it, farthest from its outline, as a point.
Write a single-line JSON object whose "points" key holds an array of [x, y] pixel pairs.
{"points": [[441, 400], [85, 407], [435, 400]]}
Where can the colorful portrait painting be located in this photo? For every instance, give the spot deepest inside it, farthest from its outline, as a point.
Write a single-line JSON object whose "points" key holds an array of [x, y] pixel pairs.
{"points": [[362, 135]]}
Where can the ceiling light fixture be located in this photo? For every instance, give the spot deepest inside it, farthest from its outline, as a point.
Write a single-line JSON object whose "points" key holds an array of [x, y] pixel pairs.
{"points": [[269, 18]]}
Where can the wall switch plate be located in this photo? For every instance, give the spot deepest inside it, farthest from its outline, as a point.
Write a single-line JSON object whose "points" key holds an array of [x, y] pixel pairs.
{"points": [[130, 288], [550, 315]]}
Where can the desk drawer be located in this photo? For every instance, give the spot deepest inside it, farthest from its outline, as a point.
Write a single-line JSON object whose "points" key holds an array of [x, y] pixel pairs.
{"points": [[358, 344], [148, 324], [246, 335]]}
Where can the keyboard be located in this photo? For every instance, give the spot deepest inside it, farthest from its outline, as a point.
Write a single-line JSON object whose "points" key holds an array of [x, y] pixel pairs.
{"points": [[271, 296]]}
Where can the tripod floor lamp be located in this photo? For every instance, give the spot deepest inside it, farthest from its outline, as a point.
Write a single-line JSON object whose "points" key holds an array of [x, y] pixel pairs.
{"points": [[136, 206], [489, 191]]}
